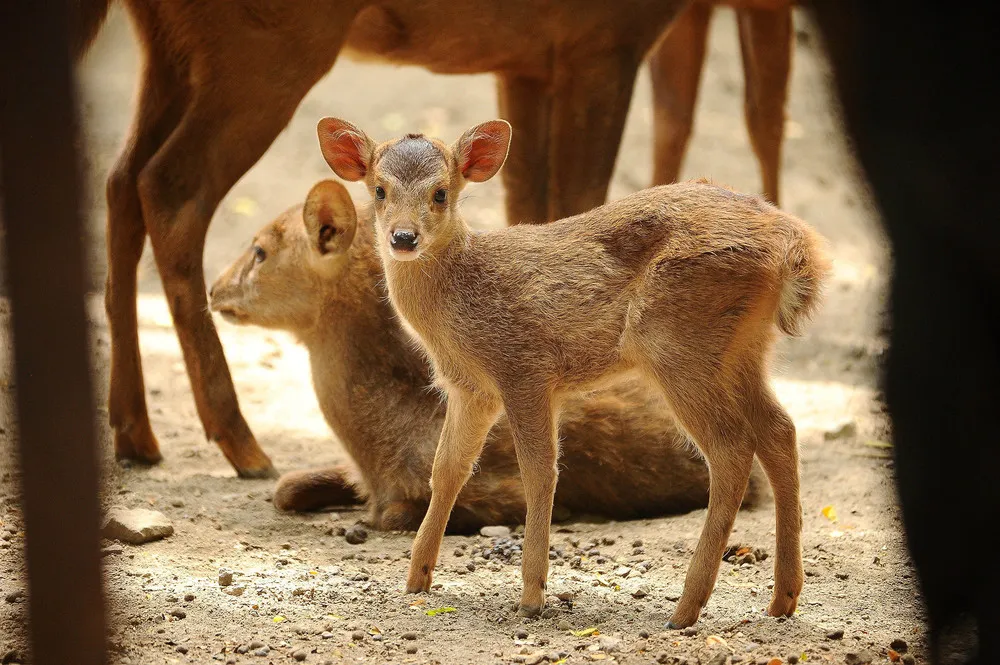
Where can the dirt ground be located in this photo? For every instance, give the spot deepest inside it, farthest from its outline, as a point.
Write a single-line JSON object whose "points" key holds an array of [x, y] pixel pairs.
{"points": [[307, 591]]}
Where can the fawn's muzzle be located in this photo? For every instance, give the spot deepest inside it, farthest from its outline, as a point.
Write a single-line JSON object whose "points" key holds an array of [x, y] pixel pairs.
{"points": [[402, 240]]}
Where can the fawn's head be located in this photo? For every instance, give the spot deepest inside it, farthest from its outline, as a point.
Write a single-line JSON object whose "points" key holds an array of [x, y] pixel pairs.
{"points": [[278, 280], [414, 181]]}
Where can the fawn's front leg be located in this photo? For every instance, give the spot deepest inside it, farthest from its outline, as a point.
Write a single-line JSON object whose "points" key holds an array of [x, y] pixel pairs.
{"points": [[466, 423], [532, 423]]}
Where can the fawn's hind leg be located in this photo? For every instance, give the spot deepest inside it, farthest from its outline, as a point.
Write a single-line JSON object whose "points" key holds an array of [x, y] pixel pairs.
{"points": [[707, 401], [466, 423], [778, 453]]}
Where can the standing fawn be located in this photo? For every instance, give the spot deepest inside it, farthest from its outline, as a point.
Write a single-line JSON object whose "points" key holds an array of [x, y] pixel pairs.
{"points": [[220, 80], [683, 284], [315, 272]]}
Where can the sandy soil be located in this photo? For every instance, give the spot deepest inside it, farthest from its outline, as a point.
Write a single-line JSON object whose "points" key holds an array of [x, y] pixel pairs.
{"points": [[306, 588]]}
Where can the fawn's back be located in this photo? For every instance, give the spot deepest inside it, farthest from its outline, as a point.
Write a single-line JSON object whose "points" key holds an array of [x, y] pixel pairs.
{"points": [[564, 299]]}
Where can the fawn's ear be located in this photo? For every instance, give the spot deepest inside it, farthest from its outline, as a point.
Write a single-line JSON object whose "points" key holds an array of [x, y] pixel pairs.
{"points": [[482, 150], [347, 149], [330, 217]]}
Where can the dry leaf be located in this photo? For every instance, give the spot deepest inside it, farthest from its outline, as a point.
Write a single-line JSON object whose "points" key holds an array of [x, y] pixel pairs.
{"points": [[418, 601], [440, 610], [893, 656], [713, 640], [774, 661], [830, 513], [586, 632], [279, 619]]}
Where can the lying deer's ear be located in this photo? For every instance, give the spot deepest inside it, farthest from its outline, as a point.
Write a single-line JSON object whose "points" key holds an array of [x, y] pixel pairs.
{"points": [[482, 150], [346, 148], [330, 217]]}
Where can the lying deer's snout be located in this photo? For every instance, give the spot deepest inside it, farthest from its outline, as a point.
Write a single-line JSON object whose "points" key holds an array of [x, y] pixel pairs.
{"points": [[403, 240]]}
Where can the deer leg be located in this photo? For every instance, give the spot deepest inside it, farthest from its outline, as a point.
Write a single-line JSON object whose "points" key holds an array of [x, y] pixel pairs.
{"points": [[675, 70], [778, 453], [532, 424], [162, 100], [706, 409], [467, 421], [527, 104], [587, 123], [229, 124], [314, 489], [766, 43]]}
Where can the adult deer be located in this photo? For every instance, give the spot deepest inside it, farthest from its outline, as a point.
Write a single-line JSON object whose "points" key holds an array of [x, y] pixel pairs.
{"points": [[221, 79]]}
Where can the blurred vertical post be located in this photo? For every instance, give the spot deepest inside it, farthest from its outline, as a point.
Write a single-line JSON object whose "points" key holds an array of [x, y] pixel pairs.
{"points": [[45, 275]]}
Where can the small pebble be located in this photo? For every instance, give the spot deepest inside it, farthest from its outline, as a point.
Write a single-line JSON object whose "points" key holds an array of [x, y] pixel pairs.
{"points": [[835, 634], [412, 648], [609, 644], [256, 644], [908, 659], [495, 532], [180, 614], [225, 578], [189, 597], [357, 635], [641, 592], [263, 651], [564, 625], [690, 631], [792, 659], [231, 660], [14, 596], [644, 634], [607, 541], [637, 543], [409, 635], [521, 634], [299, 654], [356, 534], [181, 649]]}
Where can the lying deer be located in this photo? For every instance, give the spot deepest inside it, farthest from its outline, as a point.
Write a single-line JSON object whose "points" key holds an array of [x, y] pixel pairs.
{"points": [[683, 284], [317, 275], [221, 79]]}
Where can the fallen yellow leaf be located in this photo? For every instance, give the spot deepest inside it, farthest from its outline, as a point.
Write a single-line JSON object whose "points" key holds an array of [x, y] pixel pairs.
{"points": [[713, 640], [279, 619], [440, 610], [830, 513], [586, 632]]}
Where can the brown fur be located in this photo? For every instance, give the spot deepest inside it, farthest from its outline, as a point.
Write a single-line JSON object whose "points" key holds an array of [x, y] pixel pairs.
{"points": [[623, 457], [682, 284], [220, 80]]}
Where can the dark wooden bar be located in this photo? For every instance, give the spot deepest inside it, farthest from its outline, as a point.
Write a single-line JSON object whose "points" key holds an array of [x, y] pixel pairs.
{"points": [[46, 267]]}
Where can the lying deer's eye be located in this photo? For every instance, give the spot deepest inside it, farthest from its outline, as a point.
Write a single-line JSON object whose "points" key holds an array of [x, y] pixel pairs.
{"points": [[379, 193], [440, 196], [259, 254]]}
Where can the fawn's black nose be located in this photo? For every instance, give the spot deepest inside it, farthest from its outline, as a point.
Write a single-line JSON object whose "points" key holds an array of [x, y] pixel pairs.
{"points": [[403, 240]]}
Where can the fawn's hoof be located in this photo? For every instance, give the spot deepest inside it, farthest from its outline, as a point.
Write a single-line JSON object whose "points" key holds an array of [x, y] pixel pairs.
{"points": [[419, 580], [137, 447], [529, 610], [682, 618], [783, 604]]}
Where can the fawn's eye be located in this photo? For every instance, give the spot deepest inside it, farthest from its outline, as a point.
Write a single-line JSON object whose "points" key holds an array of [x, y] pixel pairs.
{"points": [[379, 193], [440, 196], [259, 254]]}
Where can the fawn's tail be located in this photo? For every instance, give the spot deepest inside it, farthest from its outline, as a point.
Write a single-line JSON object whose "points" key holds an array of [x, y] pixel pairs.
{"points": [[804, 268]]}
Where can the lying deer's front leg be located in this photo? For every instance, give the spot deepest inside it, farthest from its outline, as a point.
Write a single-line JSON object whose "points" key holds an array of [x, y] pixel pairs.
{"points": [[467, 422], [532, 423]]}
